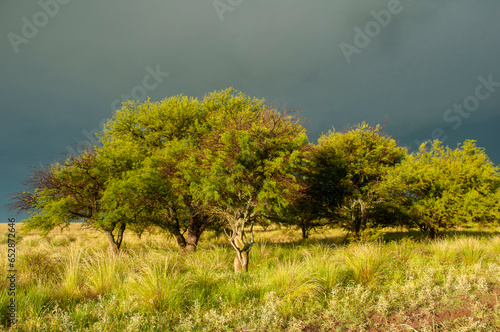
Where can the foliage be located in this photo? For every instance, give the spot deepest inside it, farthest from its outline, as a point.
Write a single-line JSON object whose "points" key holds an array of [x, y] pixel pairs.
{"points": [[305, 211], [154, 189], [71, 191], [228, 161], [443, 188], [348, 169], [248, 164]]}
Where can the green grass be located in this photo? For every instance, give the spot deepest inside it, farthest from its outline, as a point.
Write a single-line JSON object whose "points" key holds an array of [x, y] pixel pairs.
{"points": [[69, 281]]}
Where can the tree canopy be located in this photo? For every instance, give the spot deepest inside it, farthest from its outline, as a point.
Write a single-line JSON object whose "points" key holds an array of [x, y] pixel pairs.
{"points": [[443, 188], [348, 168], [249, 161], [229, 161]]}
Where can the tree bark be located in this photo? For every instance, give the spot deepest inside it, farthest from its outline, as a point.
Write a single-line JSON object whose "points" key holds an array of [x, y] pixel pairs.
{"points": [[432, 233], [362, 224], [192, 242], [181, 241], [358, 221], [115, 241], [112, 243], [119, 237], [354, 220], [305, 233], [197, 225], [239, 242], [241, 266]]}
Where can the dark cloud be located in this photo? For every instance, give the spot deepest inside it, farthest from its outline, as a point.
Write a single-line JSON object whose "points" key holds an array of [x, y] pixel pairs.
{"points": [[63, 81]]}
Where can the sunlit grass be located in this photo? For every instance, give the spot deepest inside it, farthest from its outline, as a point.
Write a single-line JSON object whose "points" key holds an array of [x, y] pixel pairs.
{"points": [[70, 281], [367, 262], [71, 274], [158, 284]]}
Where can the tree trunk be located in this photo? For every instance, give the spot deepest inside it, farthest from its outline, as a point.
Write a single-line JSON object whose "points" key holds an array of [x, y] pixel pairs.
{"points": [[358, 221], [305, 233], [432, 233], [115, 241], [354, 220], [192, 241], [196, 227], [239, 242], [119, 236], [362, 224], [181, 241], [241, 266], [112, 243]]}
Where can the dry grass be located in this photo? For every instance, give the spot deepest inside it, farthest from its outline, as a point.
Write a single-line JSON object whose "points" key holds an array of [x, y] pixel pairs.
{"points": [[69, 281]]}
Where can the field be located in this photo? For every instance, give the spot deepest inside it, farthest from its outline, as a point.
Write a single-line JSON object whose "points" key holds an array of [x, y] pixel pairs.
{"points": [[69, 281]]}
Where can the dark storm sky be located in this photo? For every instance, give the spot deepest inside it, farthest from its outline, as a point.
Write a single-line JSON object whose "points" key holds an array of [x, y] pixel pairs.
{"points": [[65, 64]]}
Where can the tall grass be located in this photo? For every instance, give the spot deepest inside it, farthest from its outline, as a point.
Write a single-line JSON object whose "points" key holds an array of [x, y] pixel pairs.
{"points": [[294, 283], [367, 262], [159, 285], [104, 271], [70, 281], [71, 274]]}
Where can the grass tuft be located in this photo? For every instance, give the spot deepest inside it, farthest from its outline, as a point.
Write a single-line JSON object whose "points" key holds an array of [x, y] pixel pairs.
{"points": [[367, 262]]}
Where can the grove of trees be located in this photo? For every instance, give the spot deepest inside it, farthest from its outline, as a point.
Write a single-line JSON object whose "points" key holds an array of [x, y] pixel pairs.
{"points": [[228, 162]]}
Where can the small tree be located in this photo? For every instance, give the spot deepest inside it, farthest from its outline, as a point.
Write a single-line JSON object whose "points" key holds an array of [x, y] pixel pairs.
{"points": [[70, 191], [349, 167], [305, 212], [166, 133], [248, 161], [443, 188]]}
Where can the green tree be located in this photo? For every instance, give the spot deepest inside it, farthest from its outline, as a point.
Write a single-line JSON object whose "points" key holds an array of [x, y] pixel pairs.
{"points": [[443, 188], [166, 133], [67, 192], [305, 212], [248, 165], [349, 167]]}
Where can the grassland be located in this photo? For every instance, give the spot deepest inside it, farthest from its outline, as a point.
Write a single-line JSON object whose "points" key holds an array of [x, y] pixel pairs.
{"points": [[69, 281]]}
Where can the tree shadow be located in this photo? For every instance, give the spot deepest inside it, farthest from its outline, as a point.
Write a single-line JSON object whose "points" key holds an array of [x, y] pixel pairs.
{"points": [[341, 239], [472, 233], [417, 235]]}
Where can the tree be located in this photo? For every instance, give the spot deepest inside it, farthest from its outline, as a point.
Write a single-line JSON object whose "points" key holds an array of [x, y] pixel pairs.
{"points": [[70, 191], [443, 188], [349, 167], [302, 214], [305, 212], [141, 182], [247, 165], [166, 133], [40, 184]]}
